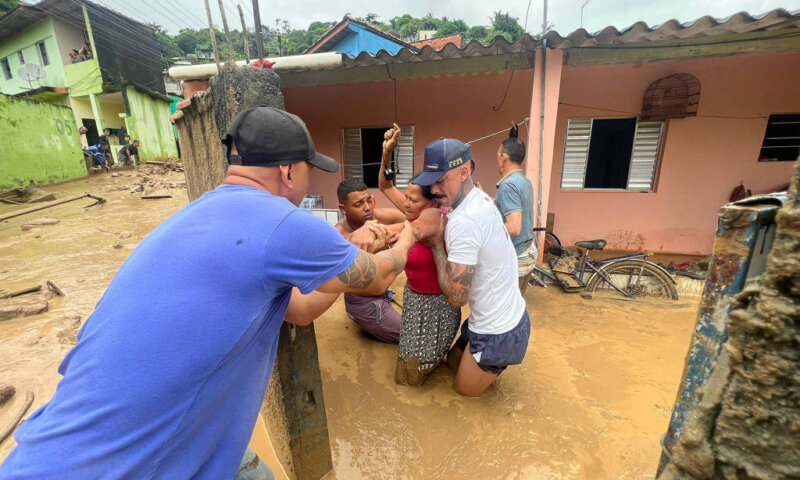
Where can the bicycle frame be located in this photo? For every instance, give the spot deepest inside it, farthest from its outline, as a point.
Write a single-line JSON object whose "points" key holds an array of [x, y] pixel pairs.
{"points": [[599, 271]]}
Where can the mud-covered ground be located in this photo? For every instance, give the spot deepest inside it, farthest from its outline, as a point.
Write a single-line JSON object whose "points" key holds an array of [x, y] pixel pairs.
{"points": [[590, 401]]}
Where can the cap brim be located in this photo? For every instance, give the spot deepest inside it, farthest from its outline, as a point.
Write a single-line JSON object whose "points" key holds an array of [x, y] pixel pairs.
{"points": [[427, 179], [324, 163]]}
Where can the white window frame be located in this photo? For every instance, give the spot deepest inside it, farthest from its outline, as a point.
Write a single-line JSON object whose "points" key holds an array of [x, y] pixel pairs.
{"points": [[41, 46], [353, 160], [643, 165]]}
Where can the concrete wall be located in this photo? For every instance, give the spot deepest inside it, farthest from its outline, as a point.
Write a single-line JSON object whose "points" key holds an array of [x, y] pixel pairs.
{"points": [[457, 106], [362, 40], [703, 157], [148, 122], [26, 41], [45, 146]]}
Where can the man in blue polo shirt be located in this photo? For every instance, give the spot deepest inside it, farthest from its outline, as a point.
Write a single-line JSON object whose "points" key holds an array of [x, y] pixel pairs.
{"points": [[169, 372], [515, 201]]}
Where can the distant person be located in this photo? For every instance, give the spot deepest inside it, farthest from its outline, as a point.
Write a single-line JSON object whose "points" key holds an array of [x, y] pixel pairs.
{"points": [[478, 267], [428, 323], [374, 313], [104, 139], [96, 156], [170, 371], [515, 201], [86, 51], [128, 153], [76, 57]]}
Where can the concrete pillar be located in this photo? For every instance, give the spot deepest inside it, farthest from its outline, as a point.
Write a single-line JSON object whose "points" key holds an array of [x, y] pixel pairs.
{"points": [[552, 79], [94, 100], [294, 407]]}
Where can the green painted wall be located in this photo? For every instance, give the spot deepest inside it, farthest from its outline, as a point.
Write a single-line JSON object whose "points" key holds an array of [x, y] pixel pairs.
{"points": [[84, 78], [26, 42], [41, 143], [148, 122]]}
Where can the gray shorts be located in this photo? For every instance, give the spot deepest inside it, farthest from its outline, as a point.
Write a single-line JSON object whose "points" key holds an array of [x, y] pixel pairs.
{"points": [[494, 353], [375, 316]]}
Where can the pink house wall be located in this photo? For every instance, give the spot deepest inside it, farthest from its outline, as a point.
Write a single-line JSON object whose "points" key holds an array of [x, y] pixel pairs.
{"points": [[703, 157], [456, 106]]}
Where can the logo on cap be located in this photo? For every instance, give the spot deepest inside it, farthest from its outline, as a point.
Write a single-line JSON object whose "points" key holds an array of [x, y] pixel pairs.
{"points": [[432, 166], [455, 163]]}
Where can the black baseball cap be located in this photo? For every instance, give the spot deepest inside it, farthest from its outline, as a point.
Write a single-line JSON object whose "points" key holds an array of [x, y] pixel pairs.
{"points": [[268, 137], [442, 156]]}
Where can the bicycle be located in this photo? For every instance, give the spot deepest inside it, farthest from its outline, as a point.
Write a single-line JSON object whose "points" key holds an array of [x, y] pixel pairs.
{"points": [[630, 275]]}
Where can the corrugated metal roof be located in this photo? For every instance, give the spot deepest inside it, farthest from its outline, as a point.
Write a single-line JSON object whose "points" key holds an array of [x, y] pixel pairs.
{"points": [[639, 32], [706, 26]]}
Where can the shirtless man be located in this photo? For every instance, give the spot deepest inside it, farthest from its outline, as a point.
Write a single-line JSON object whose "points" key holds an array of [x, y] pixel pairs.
{"points": [[366, 227]]}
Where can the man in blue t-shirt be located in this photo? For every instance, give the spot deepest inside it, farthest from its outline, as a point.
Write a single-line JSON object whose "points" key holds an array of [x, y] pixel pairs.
{"points": [[170, 371], [515, 201]]}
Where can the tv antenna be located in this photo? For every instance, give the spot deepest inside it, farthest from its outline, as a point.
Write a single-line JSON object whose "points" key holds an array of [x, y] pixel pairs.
{"points": [[32, 72]]}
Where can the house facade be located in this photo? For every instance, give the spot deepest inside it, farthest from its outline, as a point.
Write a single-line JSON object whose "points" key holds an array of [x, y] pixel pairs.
{"points": [[351, 37], [118, 84], [646, 131]]}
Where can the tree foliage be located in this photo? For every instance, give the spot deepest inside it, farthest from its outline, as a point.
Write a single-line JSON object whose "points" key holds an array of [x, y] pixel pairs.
{"points": [[7, 5], [280, 39]]}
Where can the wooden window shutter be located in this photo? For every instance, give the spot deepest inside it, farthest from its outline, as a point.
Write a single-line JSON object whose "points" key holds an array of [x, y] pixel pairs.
{"points": [[404, 156], [352, 153], [576, 153], [644, 157]]}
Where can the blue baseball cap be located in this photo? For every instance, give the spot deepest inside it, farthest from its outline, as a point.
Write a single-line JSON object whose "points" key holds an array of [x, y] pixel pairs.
{"points": [[442, 156]]}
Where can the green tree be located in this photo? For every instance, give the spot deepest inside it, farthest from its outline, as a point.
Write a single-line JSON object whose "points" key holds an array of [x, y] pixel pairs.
{"points": [[187, 40], [166, 43], [505, 25], [7, 5], [476, 33], [450, 27]]}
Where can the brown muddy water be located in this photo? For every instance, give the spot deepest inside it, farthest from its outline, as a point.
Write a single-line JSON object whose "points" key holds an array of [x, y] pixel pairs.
{"points": [[590, 401]]}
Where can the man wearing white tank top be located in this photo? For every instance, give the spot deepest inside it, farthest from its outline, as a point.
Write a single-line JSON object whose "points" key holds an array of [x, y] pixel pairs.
{"points": [[479, 268]]}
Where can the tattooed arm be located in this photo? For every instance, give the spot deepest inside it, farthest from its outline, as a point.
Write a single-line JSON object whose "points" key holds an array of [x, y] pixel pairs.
{"points": [[455, 279], [372, 274]]}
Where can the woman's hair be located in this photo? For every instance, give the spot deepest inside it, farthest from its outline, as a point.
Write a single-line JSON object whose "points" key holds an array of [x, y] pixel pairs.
{"points": [[426, 190]]}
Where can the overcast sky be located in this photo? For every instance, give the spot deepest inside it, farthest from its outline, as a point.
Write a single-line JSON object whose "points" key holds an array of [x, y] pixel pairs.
{"points": [[564, 15]]}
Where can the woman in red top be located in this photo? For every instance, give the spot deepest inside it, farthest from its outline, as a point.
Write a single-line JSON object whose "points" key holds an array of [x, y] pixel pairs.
{"points": [[429, 324]]}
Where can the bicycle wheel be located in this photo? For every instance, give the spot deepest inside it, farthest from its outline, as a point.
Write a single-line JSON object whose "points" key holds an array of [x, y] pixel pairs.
{"points": [[550, 240], [652, 282]]}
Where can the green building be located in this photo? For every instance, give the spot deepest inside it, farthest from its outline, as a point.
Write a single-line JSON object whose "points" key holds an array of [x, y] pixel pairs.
{"points": [[118, 85]]}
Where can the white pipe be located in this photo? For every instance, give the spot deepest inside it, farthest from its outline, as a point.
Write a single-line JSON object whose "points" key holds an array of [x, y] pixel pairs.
{"points": [[292, 62]]}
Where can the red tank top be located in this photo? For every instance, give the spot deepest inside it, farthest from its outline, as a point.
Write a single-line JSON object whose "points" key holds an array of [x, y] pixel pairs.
{"points": [[421, 270]]}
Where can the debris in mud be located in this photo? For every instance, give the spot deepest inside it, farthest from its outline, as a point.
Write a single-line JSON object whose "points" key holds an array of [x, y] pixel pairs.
{"points": [[6, 392], [154, 193], [118, 245], [33, 289], [68, 335], [38, 223], [53, 288], [16, 418], [22, 307], [36, 208]]}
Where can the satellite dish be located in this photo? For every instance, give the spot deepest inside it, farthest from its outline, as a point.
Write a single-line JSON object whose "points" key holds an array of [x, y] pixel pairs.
{"points": [[32, 72]]}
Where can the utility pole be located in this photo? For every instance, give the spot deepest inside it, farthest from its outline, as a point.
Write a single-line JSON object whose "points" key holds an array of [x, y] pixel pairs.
{"points": [[244, 35], [227, 32], [212, 34], [259, 37], [584, 4], [541, 127]]}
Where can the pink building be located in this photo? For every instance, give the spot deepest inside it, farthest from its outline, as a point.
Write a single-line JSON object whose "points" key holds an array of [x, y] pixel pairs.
{"points": [[646, 131]]}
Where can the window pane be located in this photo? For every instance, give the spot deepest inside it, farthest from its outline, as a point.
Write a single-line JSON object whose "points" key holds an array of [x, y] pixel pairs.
{"points": [[371, 151], [21, 57], [610, 153], [43, 54], [6, 68], [782, 139]]}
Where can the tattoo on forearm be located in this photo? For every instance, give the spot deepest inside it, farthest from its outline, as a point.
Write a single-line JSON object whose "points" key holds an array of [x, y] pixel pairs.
{"points": [[361, 273], [455, 279]]}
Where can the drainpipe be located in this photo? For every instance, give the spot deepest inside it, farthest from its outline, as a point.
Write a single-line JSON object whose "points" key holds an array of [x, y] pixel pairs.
{"points": [[541, 126]]}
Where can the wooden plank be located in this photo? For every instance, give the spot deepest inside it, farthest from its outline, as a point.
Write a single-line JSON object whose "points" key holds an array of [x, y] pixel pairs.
{"points": [[36, 208]]}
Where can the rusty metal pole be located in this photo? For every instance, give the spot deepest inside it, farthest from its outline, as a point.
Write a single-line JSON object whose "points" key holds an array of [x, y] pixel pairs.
{"points": [[213, 35], [227, 32], [244, 35], [259, 37]]}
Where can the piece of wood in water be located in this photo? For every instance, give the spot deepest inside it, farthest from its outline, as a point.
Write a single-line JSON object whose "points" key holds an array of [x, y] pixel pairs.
{"points": [[53, 288], [150, 162], [48, 205], [24, 291], [20, 307], [156, 193], [39, 222], [44, 198], [16, 417], [6, 392]]}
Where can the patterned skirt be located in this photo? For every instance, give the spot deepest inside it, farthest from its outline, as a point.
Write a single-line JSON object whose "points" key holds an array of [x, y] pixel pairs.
{"points": [[429, 326]]}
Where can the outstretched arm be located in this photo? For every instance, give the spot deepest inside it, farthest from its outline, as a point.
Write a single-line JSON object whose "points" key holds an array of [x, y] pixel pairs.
{"points": [[387, 187]]}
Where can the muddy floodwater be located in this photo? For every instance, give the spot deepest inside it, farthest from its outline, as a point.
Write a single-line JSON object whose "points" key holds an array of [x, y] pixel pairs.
{"points": [[590, 401]]}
